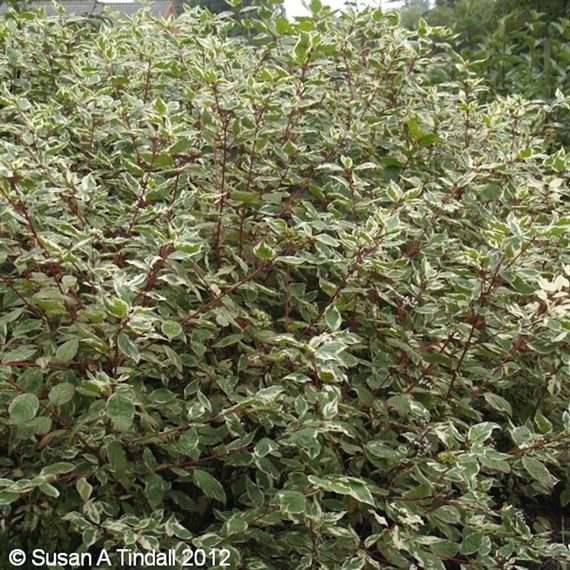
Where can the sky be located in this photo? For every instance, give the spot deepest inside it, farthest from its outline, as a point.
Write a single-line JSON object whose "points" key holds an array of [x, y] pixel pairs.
{"points": [[295, 7]]}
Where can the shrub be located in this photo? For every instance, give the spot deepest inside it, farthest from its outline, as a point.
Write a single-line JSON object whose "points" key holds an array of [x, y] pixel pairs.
{"points": [[280, 297]]}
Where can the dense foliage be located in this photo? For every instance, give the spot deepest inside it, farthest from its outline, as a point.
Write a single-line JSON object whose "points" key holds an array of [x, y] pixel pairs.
{"points": [[514, 48], [471, 19], [530, 57], [552, 9], [287, 298]]}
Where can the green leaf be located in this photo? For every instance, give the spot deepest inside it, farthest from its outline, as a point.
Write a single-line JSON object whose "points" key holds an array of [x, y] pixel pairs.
{"points": [[315, 6], [49, 490], [209, 485], [58, 469], [254, 493], [90, 536], [498, 403], [429, 139], [495, 461], [332, 318], [160, 106], [265, 446], [414, 128], [117, 308], [542, 422], [444, 549], [11, 316], [155, 489], [188, 442], [8, 497], [448, 514], [263, 251], [128, 347], [331, 351], [181, 146], [171, 329], [185, 250], [174, 528], [538, 471], [62, 393], [291, 502], [302, 46], [481, 432], [84, 488], [344, 485], [421, 491], [235, 524], [161, 396], [355, 563], [283, 26], [379, 449], [246, 197], [116, 456], [23, 408], [18, 355], [50, 305], [391, 173], [346, 162], [471, 543], [394, 192], [121, 411], [67, 351]]}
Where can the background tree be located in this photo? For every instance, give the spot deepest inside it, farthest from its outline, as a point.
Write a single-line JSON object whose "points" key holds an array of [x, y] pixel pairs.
{"points": [[412, 11], [517, 47], [214, 6], [526, 11], [552, 9], [471, 19], [244, 12]]}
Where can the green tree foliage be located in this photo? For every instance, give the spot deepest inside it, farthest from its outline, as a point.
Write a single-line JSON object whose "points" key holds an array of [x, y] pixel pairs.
{"points": [[529, 57], [470, 19], [516, 50], [282, 303], [539, 35], [551, 9], [265, 8], [14, 4], [411, 12], [214, 6], [423, 4], [241, 11]]}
